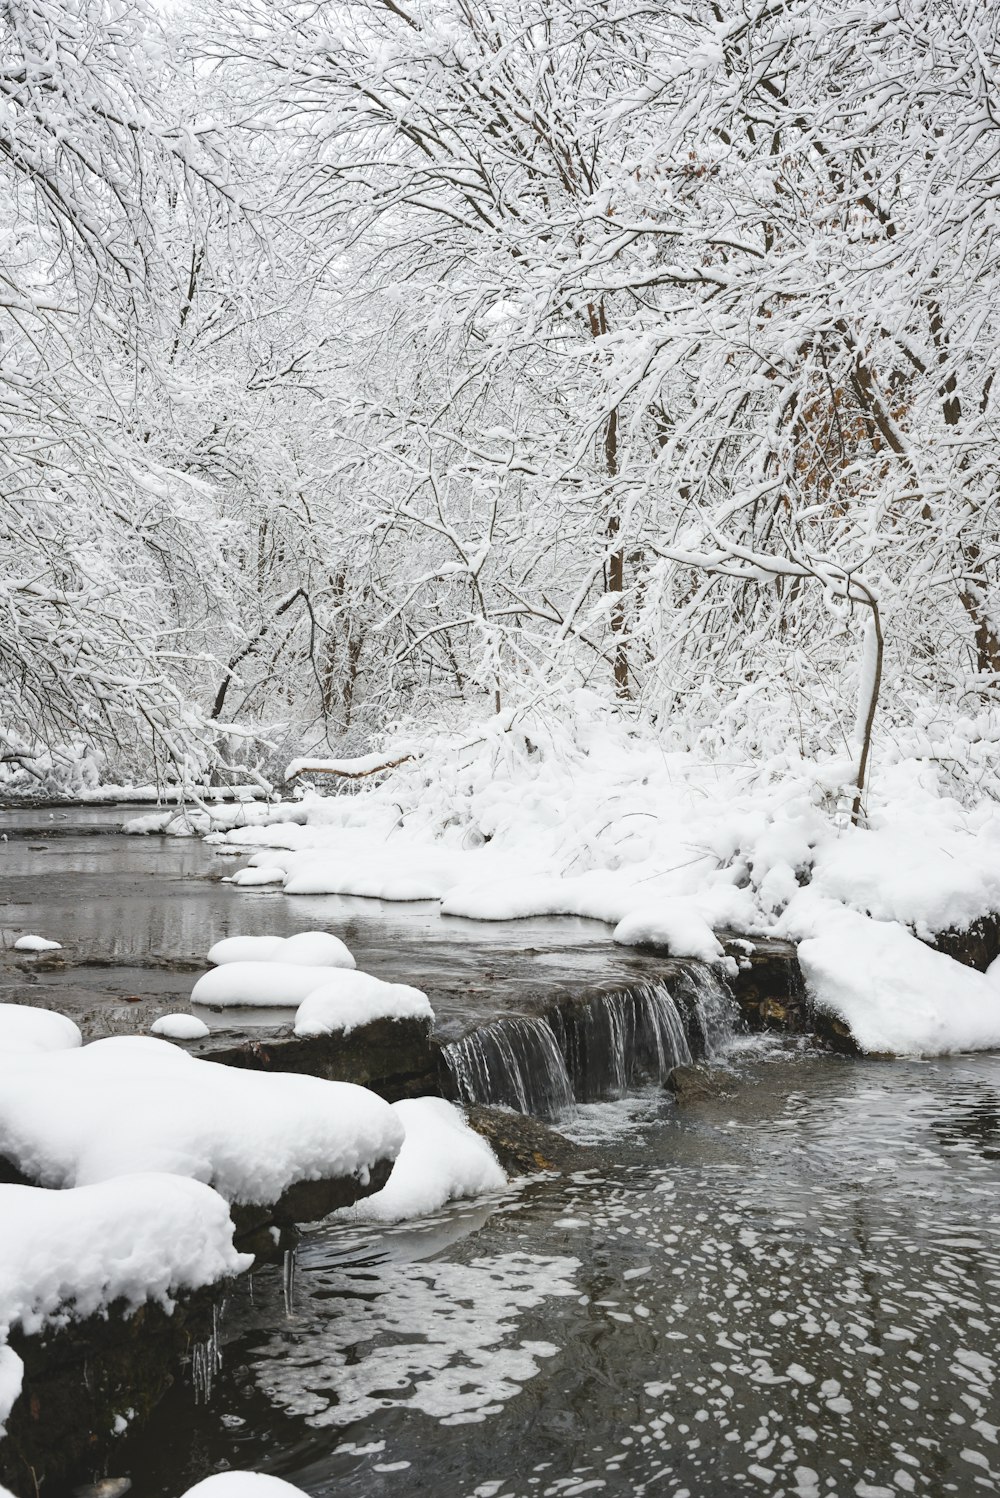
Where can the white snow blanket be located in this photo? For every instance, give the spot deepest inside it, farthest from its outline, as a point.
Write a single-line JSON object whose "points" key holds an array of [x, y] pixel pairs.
{"points": [[70, 1254], [304, 949], [579, 813], [131, 1103], [442, 1159], [24, 1028], [346, 1000]]}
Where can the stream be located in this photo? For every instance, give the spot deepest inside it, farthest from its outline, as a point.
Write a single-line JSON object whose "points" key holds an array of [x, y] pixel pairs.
{"points": [[786, 1285]]}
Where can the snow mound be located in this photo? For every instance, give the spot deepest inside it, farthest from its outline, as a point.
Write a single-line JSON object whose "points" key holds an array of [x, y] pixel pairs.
{"points": [[346, 1000], [36, 944], [894, 993], [180, 1027], [24, 1028], [131, 1103], [243, 1485], [258, 984], [442, 1159], [305, 949], [262, 874], [70, 1254]]}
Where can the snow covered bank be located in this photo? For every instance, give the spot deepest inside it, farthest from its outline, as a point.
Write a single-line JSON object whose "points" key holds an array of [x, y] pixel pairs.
{"points": [[132, 1103], [587, 816], [71, 1254]]}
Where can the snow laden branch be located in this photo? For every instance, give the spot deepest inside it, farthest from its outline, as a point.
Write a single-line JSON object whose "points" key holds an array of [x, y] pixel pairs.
{"points": [[843, 590]]}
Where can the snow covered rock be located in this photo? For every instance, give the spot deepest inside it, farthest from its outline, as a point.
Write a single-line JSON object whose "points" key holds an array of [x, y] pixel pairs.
{"points": [[180, 1027], [242, 1485], [24, 1028], [304, 949], [71, 1254], [36, 944], [441, 1159], [131, 1103], [346, 1000], [261, 985], [895, 993]]}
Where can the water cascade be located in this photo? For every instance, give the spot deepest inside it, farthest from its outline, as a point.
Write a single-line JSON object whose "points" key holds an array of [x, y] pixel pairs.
{"points": [[713, 1010], [514, 1062], [614, 1042], [598, 1048]]}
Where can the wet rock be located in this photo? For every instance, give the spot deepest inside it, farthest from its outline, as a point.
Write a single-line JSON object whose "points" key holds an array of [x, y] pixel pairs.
{"points": [[976, 946], [267, 1231], [769, 989], [394, 1057], [695, 1084], [524, 1145]]}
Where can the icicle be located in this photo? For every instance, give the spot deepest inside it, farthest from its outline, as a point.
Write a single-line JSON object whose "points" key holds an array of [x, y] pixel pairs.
{"points": [[288, 1280]]}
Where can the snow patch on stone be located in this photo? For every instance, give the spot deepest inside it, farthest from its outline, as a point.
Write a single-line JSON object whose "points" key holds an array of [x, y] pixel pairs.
{"points": [[895, 993], [180, 1027], [675, 924], [268, 985], [36, 944]]}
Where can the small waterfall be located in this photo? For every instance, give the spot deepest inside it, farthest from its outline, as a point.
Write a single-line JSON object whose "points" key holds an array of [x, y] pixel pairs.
{"points": [[516, 1062], [713, 1009], [618, 1040], [599, 1048]]}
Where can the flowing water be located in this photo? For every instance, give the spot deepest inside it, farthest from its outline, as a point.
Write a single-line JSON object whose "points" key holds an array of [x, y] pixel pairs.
{"points": [[792, 1289], [787, 1286]]}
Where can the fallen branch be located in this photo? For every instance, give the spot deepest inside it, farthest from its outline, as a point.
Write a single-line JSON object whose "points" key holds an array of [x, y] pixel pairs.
{"points": [[350, 769]]}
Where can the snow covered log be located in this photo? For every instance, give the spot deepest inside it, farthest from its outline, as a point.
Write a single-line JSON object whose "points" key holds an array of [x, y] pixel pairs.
{"points": [[350, 769]]}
